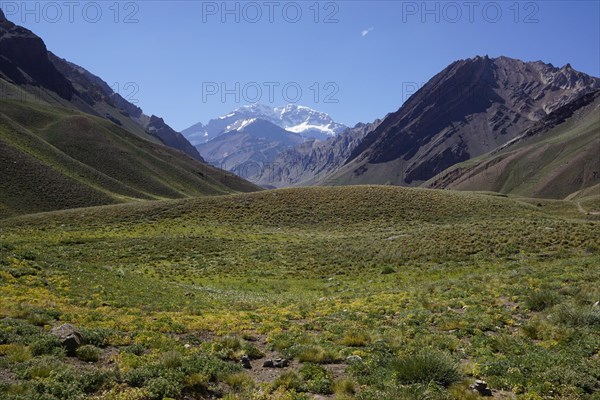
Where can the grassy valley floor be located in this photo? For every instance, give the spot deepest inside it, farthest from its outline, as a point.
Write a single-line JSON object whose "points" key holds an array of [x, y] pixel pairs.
{"points": [[370, 292]]}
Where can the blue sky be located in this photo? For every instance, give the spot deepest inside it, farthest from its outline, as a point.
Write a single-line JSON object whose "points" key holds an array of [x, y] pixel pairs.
{"points": [[174, 58]]}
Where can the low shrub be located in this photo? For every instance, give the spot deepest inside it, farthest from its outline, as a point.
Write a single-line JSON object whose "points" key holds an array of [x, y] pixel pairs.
{"points": [[427, 366], [289, 380], [542, 299], [343, 387], [577, 315], [387, 270], [161, 387], [356, 338], [46, 345], [316, 379], [88, 353], [253, 352], [239, 381]]}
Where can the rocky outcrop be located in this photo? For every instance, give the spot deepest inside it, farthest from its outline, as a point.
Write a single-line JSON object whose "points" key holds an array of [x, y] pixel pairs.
{"points": [[156, 126], [69, 337], [24, 60]]}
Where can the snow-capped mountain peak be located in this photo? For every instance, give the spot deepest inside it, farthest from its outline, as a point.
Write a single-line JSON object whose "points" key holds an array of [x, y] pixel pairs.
{"points": [[308, 123]]}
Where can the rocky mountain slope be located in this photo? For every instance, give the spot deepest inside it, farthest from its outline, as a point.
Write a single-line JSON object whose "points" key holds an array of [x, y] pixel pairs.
{"points": [[249, 148], [67, 144], [26, 62], [556, 157], [470, 108], [306, 164]]}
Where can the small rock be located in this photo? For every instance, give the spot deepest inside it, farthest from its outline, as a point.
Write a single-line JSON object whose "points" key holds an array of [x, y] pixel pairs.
{"points": [[277, 363], [69, 337], [187, 346], [281, 363], [481, 387], [246, 362], [353, 358]]}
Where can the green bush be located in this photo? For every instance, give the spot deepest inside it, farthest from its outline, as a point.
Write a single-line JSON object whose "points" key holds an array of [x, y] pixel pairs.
{"points": [[88, 353], [136, 349], [161, 387], [356, 338], [542, 299], [289, 380], [46, 345], [138, 377], [212, 367], [17, 331], [578, 316], [316, 379], [98, 337], [427, 366], [39, 367], [253, 352], [387, 270]]}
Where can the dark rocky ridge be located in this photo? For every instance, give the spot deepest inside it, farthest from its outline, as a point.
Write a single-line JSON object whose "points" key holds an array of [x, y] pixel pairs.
{"points": [[24, 60], [156, 126], [468, 109]]}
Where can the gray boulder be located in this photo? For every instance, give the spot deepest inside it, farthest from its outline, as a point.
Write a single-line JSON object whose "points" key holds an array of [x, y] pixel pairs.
{"points": [[69, 337]]}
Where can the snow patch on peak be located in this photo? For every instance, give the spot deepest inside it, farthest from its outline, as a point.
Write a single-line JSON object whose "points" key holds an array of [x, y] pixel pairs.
{"points": [[240, 124]]}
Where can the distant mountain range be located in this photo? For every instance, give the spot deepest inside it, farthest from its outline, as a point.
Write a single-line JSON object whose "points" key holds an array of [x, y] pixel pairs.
{"points": [[65, 132], [472, 107], [308, 123], [247, 140], [67, 140], [310, 162], [249, 148]]}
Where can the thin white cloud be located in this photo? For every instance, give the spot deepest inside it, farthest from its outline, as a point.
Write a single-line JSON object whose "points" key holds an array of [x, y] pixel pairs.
{"points": [[366, 31]]}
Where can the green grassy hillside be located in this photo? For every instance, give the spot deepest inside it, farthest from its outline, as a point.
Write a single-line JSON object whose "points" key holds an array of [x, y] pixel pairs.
{"points": [[55, 158], [556, 160], [371, 292]]}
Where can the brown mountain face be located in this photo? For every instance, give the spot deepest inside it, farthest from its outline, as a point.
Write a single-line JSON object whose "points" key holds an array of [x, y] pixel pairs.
{"points": [[468, 109], [557, 157], [310, 162]]}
